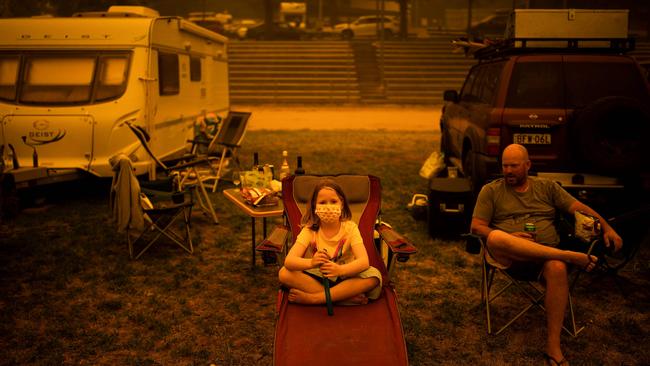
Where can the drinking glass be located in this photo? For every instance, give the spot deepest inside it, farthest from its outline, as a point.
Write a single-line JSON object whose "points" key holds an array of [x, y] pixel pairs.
{"points": [[236, 177]]}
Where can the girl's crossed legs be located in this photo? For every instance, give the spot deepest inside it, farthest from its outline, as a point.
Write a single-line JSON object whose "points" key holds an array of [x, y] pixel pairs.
{"points": [[305, 289]]}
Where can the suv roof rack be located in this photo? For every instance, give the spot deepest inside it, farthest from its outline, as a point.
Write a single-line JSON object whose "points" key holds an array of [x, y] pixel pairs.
{"points": [[515, 46]]}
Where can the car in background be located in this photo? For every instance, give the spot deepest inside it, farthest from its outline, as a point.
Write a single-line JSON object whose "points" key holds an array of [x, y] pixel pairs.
{"points": [[583, 115], [491, 27], [238, 28], [277, 30], [367, 26]]}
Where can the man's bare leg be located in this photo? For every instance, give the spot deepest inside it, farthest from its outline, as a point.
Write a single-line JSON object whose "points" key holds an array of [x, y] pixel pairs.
{"points": [[555, 301], [506, 248], [348, 289]]}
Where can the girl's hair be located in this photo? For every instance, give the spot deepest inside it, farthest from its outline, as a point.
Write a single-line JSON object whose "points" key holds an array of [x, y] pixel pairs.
{"points": [[310, 218]]}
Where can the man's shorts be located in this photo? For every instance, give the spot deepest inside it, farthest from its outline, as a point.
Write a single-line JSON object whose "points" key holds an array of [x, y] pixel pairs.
{"points": [[524, 271]]}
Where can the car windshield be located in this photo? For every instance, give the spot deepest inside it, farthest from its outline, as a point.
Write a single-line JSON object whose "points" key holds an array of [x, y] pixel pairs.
{"points": [[536, 84], [589, 81], [74, 78]]}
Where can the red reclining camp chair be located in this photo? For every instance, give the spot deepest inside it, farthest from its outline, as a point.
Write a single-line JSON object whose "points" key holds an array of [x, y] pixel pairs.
{"points": [[355, 335]]}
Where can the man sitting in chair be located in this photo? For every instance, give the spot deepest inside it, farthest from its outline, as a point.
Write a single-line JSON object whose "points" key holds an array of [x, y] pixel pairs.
{"points": [[504, 206]]}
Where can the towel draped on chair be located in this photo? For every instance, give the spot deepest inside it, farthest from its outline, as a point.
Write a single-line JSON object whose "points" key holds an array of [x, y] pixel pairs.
{"points": [[125, 197]]}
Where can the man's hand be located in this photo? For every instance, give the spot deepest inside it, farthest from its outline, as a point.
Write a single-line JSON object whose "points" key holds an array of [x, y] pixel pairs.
{"points": [[331, 269], [612, 239]]}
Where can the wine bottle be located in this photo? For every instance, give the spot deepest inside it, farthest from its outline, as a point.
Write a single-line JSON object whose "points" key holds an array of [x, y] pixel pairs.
{"points": [[256, 161], [299, 168]]}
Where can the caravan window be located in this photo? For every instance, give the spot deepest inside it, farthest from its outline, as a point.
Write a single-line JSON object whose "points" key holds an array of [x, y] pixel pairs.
{"points": [[168, 74], [195, 69], [111, 82], [8, 77], [59, 78]]}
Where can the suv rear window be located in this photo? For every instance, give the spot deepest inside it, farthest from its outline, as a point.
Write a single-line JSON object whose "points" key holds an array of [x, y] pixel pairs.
{"points": [[548, 85], [536, 85], [589, 81]]}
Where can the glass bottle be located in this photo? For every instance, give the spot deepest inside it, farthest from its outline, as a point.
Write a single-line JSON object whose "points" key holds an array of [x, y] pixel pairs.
{"points": [[299, 168], [284, 168]]}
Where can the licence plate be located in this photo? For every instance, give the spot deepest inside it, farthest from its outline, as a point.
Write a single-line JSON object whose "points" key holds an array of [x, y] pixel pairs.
{"points": [[532, 138]]}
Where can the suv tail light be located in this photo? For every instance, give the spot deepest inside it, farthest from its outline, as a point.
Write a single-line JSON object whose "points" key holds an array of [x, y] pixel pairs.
{"points": [[493, 141]]}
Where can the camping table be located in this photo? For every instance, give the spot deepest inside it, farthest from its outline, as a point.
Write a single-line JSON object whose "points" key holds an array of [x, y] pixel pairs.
{"points": [[254, 212]]}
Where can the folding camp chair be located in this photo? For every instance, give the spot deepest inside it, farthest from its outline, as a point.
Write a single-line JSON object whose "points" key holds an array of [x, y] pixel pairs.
{"points": [[187, 166], [222, 149], [362, 335], [526, 284], [146, 215]]}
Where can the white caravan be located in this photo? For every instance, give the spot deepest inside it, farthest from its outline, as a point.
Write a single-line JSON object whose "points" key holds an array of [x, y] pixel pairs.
{"points": [[67, 85]]}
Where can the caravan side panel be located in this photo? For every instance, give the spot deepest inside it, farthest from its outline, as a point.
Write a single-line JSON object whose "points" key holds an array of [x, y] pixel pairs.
{"points": [[189, 84]]}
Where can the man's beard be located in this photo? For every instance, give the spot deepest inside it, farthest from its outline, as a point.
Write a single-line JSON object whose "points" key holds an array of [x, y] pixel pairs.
{"points": [[514, 180]]}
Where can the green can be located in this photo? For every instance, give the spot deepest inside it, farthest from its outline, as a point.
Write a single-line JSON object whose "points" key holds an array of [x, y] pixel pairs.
{"points": [[530, 228]]}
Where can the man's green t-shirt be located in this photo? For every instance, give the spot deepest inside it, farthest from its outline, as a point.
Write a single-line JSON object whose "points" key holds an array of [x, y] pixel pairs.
{"points": [[505, 209]]}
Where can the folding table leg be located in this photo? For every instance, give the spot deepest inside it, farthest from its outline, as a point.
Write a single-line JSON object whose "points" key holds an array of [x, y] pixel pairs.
{"points": [[253, 241]]}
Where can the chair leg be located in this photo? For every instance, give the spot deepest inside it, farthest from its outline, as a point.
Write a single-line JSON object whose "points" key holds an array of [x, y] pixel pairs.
{"points": [[485, 295], [573, 331], [165, 230], [218, 175], [173, 236], [204, 198], [535, 300]]}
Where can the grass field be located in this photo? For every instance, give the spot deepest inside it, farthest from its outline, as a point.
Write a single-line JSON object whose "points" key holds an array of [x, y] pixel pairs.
{"points": [[71, 295]]}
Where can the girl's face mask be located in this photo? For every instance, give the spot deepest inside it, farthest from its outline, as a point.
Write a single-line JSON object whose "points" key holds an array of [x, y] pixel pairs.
{"points": [[328, 213]]}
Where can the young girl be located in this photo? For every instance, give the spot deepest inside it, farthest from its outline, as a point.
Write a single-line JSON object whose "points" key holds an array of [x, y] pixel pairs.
{"points": [[329, 246]]}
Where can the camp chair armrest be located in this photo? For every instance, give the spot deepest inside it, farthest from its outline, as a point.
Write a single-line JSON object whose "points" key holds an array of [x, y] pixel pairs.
{"points": [[198, 142], [276, 241], [188, 164], [227, 144], [397, 244]]}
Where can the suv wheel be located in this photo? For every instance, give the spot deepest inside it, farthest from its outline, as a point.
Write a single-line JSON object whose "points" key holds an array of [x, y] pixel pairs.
{"points": [[472, 171], [610, 134], [347, 34]]}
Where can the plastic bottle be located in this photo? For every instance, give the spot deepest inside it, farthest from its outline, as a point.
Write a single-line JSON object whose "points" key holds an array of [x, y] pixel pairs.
{"points": [[284, 168], [299, 169]]}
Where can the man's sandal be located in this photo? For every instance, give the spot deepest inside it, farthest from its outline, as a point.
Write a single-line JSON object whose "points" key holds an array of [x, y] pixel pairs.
{"points": [[551, 361]]}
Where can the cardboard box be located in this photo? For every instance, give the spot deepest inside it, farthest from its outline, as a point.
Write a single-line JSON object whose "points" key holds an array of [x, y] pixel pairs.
{"points": [[568, 23]]}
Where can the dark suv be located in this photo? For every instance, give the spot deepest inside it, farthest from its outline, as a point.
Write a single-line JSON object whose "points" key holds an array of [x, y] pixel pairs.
{"points": [[582, 114]]}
